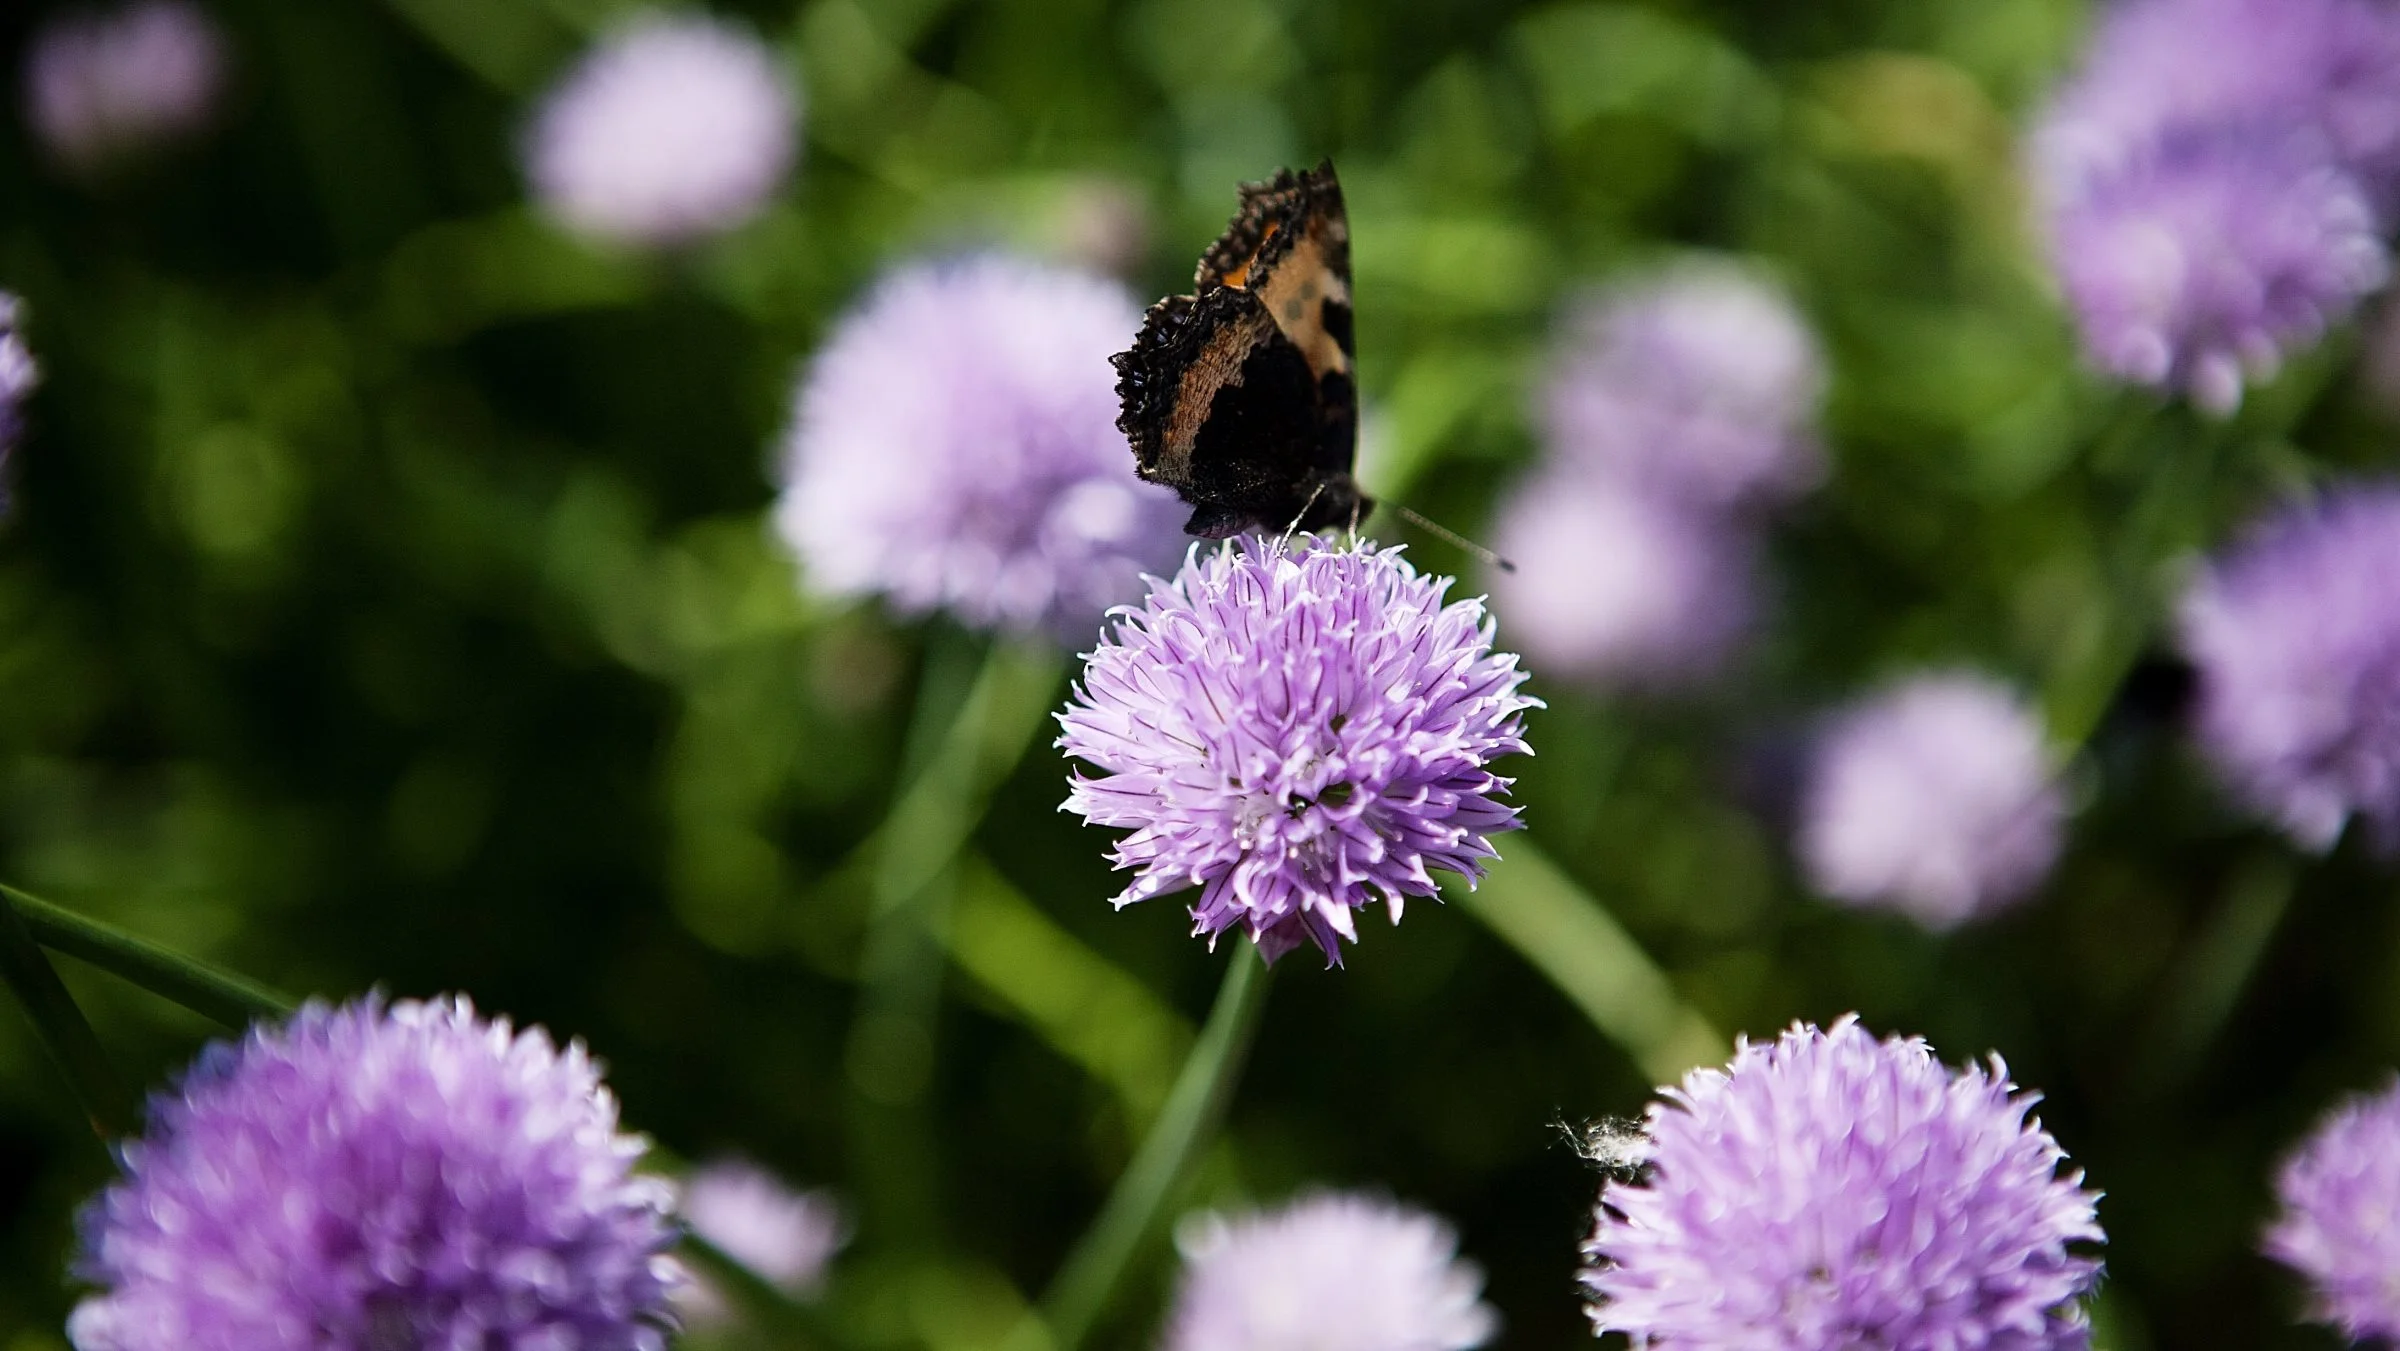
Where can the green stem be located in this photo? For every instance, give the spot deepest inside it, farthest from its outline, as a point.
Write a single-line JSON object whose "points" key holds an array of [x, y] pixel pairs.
{"points": [[204, 989], [64, 1033], [961, 745], [1080, 1294]]}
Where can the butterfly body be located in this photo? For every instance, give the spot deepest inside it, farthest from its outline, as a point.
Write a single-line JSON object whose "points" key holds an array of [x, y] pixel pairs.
{"points": [[1240, 395]]}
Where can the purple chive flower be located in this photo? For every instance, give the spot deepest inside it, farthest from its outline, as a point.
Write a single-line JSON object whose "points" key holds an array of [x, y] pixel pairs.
{"points": [[1827, 1191], [375, 1176], [18, 376], [675, 128], [2198, 271], [1619, 585], [2212, 183], [2340, 1225], [955, 446], [1296, 733], [1935, 798], [786, 1237], [102, 86], [2296, 634], [1701, 381], [2162, 72], [1328, 1272]]}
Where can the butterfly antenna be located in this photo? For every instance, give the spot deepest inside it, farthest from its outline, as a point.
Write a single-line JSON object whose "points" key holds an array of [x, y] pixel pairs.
{"points": [[1284, 541], [1441, 531]]}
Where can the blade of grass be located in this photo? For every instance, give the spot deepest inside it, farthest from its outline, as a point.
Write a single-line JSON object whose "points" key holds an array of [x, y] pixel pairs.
{"points": [[64, 1033], [1567, 935], [204, 989], [1092, 1271]]}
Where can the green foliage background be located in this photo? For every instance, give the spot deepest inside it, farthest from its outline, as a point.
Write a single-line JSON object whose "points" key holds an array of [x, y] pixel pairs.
{"points": [[388, 602]]}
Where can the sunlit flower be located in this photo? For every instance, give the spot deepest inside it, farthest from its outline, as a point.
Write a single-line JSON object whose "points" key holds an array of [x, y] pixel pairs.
{"points": [[2296, 634], [674, 128], [1620, 585], [100, 86], [1328, 1272], [786, 1237], [2340, 1220], [1935, 798], [1296, 733], [955, 446], [1701, 381], [1828, 1191], [367, 1177]]}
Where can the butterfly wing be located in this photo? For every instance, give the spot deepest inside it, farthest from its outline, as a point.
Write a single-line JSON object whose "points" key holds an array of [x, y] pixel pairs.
{"points": [[1240, 396]]}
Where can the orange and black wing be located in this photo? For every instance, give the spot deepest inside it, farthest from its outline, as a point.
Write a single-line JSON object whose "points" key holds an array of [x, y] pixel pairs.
{"points": [[1240, 396]]}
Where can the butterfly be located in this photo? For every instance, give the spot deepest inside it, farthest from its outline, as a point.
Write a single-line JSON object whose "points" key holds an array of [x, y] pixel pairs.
{"points": [[1239, 396]]}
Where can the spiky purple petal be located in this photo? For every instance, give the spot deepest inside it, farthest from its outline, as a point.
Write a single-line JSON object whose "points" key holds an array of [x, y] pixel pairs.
{"points": [[1296, 733]]}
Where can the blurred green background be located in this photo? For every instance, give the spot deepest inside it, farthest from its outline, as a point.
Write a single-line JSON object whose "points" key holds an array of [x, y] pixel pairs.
{"points": [[388, 602]]}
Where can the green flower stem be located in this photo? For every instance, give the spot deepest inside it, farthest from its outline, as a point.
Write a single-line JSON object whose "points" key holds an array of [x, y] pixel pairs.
{"points": [[64, 1033], [2202, 991], [204, 989], [1570, 937], [1003, 714], [961, 746], [1081, 1292], [792, 1322]]}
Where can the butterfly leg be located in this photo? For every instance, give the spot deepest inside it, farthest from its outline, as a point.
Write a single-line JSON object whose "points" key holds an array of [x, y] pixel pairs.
{"points": [[1286, 538]]}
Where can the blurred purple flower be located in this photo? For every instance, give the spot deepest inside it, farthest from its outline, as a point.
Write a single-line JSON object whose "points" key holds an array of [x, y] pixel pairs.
{"points": [[101, 86], [1935, 798], [18, 375], [2296, 634], [2212, 182], [2199, 270], [1701, 381], [673, 128], [1619, 585], [1828, 1191], [2340, 1225], [786, 1237], [1327, 1272], [955, 445], [366, 1177], [2161, 75], [1295, 733]]}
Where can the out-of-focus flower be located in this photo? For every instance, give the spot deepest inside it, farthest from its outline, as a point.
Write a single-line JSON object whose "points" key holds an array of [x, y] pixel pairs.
{"points": [[18, 375], [785, 1236], [2212, 182], [2296, 634], [103, 86], [1701, 381], [1295, 733], [365, 1177], [1328, 1272], [1828, 1191], [2199, 270], [2340, 1224], [1619, 585], [674, 128], [2162, 75], [955, 446], [1935, 798]]}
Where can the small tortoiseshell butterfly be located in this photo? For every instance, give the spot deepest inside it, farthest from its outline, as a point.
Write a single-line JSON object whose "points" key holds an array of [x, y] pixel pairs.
{"points": [[1239, 396]]}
